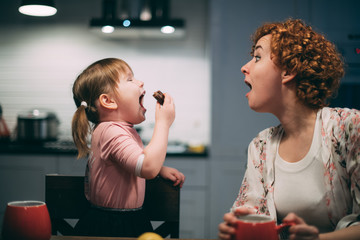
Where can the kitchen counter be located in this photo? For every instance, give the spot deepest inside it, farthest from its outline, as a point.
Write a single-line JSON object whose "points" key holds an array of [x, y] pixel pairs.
{"points": [[68, 148]]}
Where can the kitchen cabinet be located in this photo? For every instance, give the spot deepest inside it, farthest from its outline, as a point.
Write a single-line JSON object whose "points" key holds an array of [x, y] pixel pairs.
{"points": [[22, 177], [194, 200]]}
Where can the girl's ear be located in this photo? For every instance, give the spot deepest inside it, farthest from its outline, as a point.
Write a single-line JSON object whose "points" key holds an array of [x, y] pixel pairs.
{"points": [[287, 77], [107, 101]]}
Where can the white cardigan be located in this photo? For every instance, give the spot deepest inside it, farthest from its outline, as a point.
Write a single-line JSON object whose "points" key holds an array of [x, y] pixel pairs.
{"points": [[340, 155]]}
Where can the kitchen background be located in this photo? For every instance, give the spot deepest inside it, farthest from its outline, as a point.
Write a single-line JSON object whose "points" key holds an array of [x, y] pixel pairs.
{"points": [[40, 58]]}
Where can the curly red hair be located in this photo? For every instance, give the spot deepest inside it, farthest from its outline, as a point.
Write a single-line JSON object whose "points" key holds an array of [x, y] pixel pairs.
{"points": [[297, 48]]}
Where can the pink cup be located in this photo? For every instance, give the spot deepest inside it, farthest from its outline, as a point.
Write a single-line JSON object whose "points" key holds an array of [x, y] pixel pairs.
{"points": [[26, 220], [257, 227]]}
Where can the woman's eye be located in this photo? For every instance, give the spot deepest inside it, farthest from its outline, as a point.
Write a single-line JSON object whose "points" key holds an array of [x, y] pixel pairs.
{"points": [[257, 58], [129, 80]]}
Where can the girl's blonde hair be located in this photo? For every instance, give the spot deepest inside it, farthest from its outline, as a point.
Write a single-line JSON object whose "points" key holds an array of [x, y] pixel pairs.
{"points": [[98, 78]]}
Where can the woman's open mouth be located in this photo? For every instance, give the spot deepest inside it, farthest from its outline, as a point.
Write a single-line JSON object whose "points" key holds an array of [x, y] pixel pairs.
{"points": [[249, 85]]}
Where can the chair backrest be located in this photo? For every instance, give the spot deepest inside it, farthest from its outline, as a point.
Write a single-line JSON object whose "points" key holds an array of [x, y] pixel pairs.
{"points": [[65, 199]]}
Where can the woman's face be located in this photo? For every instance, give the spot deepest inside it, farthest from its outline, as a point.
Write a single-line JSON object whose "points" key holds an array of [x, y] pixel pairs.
{"points": [[263, 77], [130, 99]]}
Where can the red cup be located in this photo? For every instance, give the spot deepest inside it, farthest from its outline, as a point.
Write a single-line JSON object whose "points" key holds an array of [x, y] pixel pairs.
{"points": [[258, 227], [26, 220]]}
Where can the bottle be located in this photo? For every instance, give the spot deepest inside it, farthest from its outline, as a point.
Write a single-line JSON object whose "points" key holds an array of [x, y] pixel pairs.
{"points": [[4, 130]]}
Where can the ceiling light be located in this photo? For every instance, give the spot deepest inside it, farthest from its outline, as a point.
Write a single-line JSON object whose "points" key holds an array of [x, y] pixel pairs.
{"points": [[38, 8], [167, 29], [126, 23], [145, 14], [107, 29]]}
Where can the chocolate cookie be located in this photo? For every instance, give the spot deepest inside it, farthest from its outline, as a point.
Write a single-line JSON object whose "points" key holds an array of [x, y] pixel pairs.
{"points": [[159, 96]]}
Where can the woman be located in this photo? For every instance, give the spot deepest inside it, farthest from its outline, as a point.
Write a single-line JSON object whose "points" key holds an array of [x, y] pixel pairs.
{"points": [[307, 169]]}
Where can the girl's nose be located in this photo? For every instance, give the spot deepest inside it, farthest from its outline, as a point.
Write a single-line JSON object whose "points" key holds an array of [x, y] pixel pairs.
{"points": [[140, 83]]}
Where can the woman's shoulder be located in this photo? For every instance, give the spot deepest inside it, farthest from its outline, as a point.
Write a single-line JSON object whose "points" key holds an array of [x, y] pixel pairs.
{"points": [[341, 126], [340, 111], [332, 117], [267, 135], [269, 132]]}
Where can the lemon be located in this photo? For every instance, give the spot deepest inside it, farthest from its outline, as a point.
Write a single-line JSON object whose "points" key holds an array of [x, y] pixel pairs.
{"points": [[149, 236]]}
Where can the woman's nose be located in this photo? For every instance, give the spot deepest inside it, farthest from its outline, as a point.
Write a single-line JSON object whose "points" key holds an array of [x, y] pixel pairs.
{"points": [[245, 68]]}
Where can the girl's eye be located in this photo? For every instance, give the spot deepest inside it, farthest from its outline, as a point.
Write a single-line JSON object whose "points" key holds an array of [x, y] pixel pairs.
{"points": [[257, 58], [129, 80]]}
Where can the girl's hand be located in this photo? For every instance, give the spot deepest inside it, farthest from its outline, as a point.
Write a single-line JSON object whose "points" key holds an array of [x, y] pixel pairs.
{"points": [[166, 112], [227, 228], [301, 230], [172, 174]]}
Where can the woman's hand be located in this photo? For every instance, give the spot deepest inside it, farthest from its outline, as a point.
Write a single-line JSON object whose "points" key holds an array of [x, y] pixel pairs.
{"points": [[300, 230], [227, 228], [172, 174]]}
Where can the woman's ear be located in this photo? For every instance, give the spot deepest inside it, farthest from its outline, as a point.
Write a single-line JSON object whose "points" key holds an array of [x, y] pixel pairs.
{"points": [[286, 77], [107, 101]]}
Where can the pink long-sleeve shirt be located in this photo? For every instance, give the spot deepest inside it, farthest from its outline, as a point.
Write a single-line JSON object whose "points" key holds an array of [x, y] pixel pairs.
{"points": [[114, 167]]}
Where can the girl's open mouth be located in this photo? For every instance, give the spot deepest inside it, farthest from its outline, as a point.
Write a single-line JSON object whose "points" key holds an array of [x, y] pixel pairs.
{"points": [[141, 99]]}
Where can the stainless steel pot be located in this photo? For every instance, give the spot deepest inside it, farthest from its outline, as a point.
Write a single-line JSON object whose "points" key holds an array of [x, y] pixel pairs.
{"points": [[37, 125]]}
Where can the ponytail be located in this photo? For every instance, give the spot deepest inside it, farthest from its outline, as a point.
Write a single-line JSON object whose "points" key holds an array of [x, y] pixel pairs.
{"points": [[80, 130]]}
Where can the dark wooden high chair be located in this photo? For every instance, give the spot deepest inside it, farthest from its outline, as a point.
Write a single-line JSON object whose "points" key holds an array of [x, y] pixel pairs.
{"points": [[65, 199]]}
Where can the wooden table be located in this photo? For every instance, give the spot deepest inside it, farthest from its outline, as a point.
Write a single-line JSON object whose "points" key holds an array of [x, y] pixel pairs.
{"points": [[87, 238], [105, 238]]}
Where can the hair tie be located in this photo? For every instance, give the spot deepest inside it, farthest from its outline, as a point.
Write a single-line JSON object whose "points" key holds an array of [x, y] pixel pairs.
{"points": [[83, 103]]}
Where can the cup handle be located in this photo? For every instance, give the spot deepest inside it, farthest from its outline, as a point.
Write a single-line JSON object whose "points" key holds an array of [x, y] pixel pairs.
{"points": [[283, 226]]}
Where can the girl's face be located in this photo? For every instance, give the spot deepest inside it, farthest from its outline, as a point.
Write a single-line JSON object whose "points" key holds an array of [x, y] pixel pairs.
{"points": [[130, 99], [263, 77]]}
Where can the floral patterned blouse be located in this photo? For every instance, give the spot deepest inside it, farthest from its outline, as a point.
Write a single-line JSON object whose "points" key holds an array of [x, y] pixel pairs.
{"points": [[340, 130]]}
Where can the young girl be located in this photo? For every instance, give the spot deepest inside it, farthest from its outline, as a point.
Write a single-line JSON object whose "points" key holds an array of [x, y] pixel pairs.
{"points": [[107, 95]]}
